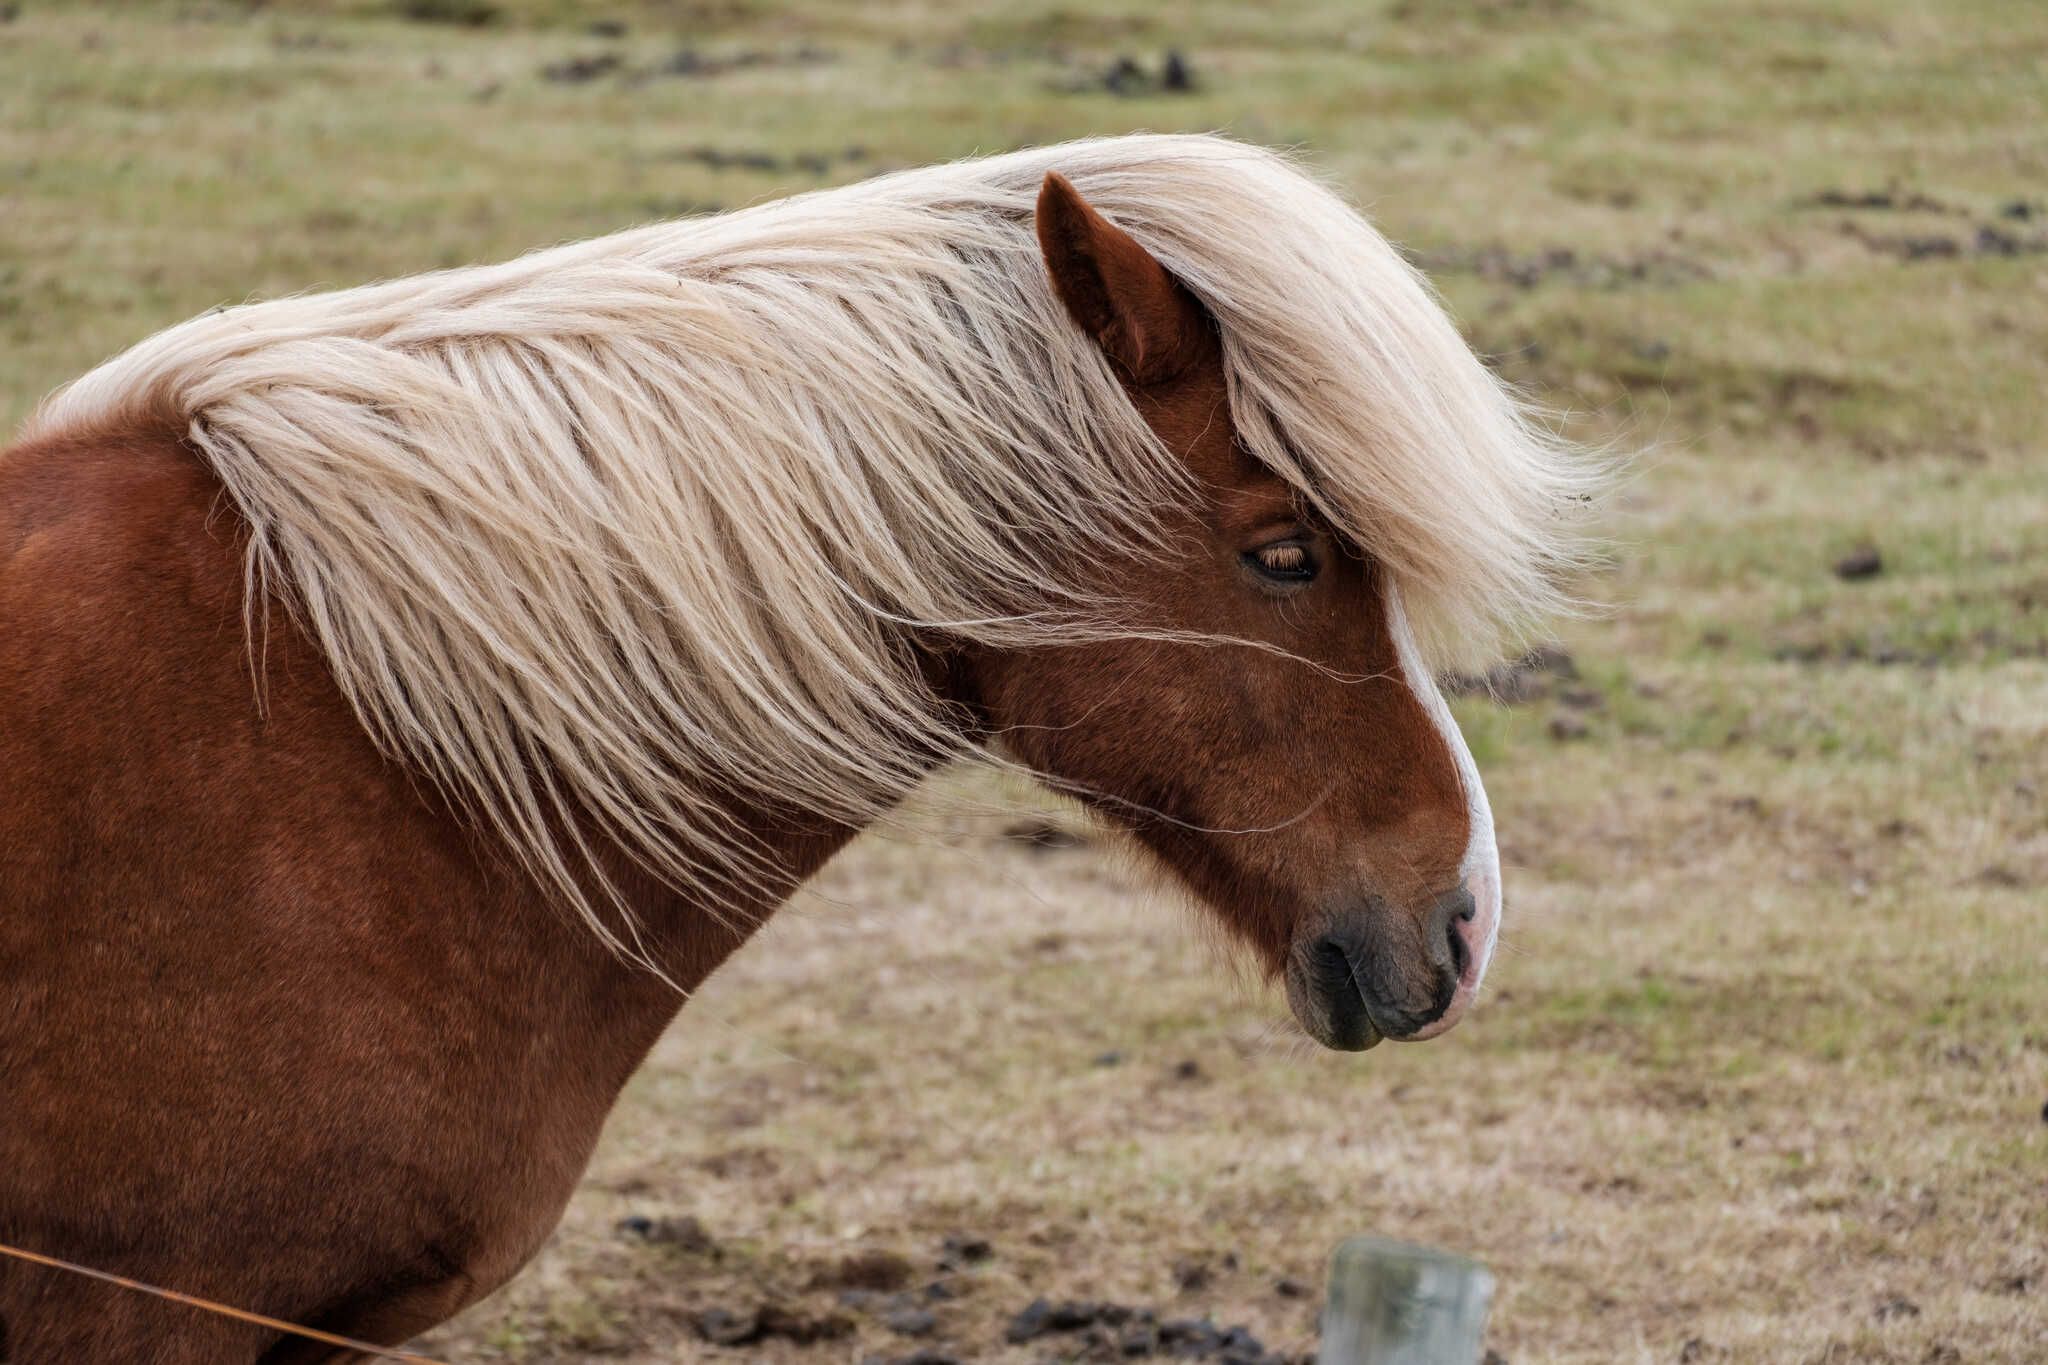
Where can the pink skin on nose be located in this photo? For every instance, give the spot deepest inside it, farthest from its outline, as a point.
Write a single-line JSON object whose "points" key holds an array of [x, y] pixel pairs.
{"points": [[1480, 867]]}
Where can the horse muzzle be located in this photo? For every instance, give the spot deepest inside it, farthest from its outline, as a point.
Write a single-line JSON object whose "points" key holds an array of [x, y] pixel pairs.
{"points": [[1367, 970]]}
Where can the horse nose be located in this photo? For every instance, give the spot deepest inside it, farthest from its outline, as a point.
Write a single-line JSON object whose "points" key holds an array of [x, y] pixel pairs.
{"points": [[1376, 973]]}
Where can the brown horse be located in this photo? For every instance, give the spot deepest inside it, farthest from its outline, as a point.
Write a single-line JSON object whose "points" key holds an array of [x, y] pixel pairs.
{"points": [[332, 723]]}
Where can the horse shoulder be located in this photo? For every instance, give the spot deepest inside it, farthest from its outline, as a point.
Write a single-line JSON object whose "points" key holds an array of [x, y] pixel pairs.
{"points": [[241, 951]]}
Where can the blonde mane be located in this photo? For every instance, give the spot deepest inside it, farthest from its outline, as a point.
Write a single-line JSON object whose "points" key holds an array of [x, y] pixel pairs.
{"points": [[600, 534]]}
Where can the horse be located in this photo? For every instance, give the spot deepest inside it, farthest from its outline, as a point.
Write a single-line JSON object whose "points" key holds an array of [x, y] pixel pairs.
{"points": [[409, 694]]}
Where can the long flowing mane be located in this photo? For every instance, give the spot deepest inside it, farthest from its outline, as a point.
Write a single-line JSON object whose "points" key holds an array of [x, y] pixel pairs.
{"points": [[597, 535]]}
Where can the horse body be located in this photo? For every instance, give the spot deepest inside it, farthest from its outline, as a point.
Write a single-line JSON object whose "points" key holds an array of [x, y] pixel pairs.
{"points": [[293, 1017]]}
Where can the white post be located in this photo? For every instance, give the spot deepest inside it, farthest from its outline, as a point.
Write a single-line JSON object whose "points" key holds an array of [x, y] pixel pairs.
{"points": [[1396, 1304]]}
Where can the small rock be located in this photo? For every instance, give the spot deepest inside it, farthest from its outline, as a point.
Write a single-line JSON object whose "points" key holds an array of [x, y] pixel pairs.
{"points": [[606, 28], [1583, 698], [1895, 1308], [1109, 1058], [1862, 562], [1289, 1288]]}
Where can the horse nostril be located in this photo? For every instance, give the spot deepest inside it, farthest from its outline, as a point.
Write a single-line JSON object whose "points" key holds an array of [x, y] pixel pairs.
{"points": [[1332, 959], [1453, 912]]}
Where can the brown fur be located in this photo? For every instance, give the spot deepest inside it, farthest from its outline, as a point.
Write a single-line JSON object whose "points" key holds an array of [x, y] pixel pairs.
{"points": [[277, 1029]]}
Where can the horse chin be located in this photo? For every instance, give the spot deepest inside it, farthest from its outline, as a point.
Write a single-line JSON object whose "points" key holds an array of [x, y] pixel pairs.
{"points": [[1340, 1030]]}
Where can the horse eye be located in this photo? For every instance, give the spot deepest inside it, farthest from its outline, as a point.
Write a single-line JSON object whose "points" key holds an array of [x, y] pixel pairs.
{"points": [[1284, 561]]}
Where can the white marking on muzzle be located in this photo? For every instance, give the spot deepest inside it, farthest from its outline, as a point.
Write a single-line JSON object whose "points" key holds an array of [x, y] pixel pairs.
{"points": [[1480, 867]]}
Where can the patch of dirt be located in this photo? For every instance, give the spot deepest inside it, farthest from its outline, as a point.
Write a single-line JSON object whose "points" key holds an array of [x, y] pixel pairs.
{"points": [[873, 1270], [1893, 198], [1129, 77], [1113, 1331], [1533, 677], [814, 163], [1988, 240], [747, 1327], [1527, 270]]}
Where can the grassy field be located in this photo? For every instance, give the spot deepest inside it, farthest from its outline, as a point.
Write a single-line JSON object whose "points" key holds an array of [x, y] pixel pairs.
{"points": [[1762, 1070]]}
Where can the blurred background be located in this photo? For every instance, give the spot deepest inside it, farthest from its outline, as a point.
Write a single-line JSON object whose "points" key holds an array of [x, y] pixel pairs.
{"points": [[1761, 1072]]}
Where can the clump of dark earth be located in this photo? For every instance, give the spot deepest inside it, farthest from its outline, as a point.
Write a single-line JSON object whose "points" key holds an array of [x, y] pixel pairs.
{"points": [[1853, 651], [684, 1233], [467, 13], [606, 28], [690, 63], [1567, 725], [958, 1250], [1188, 1070], [1583, 698], [924, 1357], [1127, 76], [1893, 1308], [1044, 836], [1532, 677], [814, 163], [723, 1327], [1526, 270], [875, 1270], [1988, 240], [1193, 1273], [1894, 198], [1114, 1331], [1288, 1287], [577, 70], [1862, 562], [904, 1312], [910, 1322]]}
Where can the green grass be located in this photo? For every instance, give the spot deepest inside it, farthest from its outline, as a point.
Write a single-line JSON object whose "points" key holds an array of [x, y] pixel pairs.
{"points": [[1766, 1048]]}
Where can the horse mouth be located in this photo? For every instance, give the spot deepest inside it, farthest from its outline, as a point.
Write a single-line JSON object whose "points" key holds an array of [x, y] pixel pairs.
{"points": [[1324, 992]]}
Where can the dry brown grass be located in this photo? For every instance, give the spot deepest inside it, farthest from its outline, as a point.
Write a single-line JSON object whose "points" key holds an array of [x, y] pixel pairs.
{"points": [[1761, 1072]]}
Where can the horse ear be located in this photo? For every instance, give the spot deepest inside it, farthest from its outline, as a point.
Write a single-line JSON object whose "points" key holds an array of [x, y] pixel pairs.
{"points": [[1146, 322]]}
